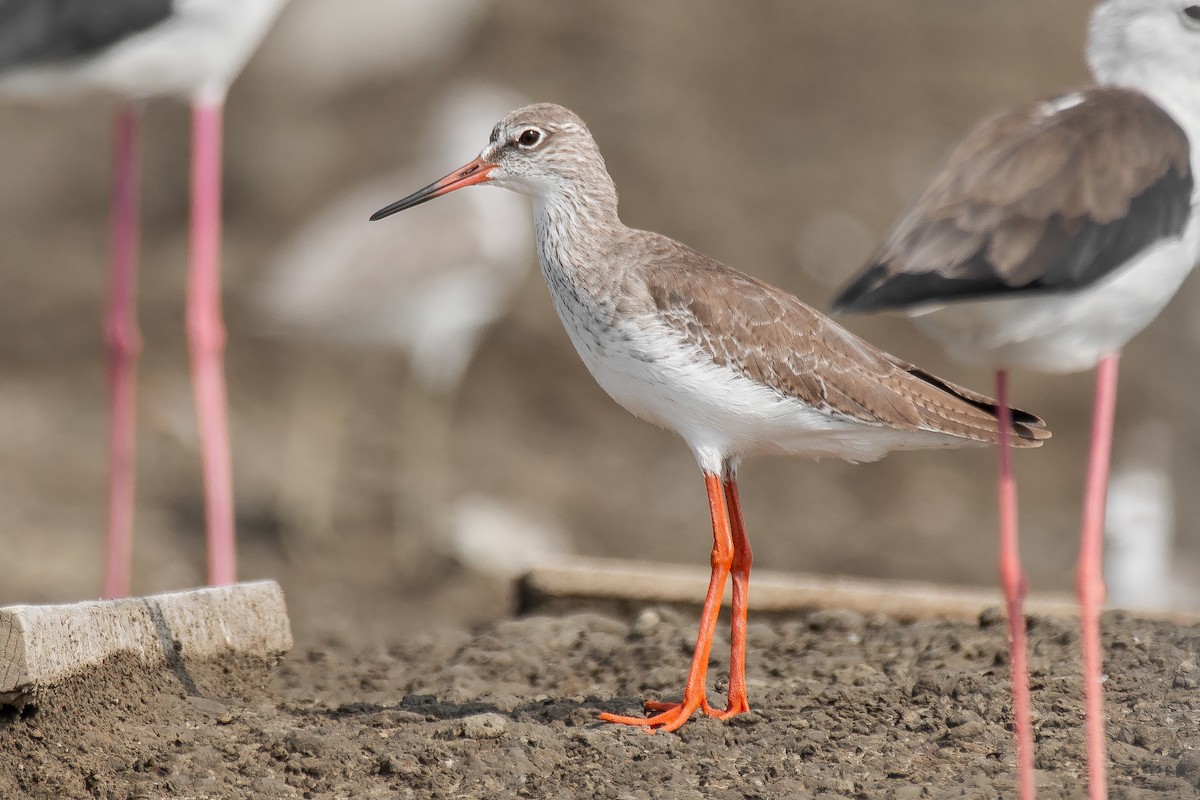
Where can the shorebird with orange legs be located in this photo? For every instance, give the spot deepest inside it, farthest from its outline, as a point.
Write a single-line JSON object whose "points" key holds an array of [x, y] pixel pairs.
{"points": [[1050, 237], [734, 366]]}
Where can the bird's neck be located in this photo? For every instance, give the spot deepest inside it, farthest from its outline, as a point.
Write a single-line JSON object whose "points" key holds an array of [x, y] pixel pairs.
{"points": [[576, 229]]}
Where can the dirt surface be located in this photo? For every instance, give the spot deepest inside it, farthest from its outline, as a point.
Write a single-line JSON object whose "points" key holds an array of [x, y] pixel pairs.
{"points": [[783, 141], [845, 706]]}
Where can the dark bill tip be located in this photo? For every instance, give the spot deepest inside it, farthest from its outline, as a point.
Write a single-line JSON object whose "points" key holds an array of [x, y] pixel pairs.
{"points": [[475, 172], [414, 199]]}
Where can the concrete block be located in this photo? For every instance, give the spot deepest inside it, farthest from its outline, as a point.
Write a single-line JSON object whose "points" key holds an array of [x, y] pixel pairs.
{"points": [[43, 645]]}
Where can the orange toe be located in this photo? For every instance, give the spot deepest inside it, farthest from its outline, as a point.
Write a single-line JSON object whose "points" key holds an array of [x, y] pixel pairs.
{"points": [[662, 705], [736, 706], [671, 718]]}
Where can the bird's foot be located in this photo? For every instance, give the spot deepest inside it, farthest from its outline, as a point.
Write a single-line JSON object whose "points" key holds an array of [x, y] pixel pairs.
{"points": [[737, 704], [672, 716]]}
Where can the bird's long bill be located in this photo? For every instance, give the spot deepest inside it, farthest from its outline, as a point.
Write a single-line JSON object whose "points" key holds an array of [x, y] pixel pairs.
{"points": [[475, 172]]}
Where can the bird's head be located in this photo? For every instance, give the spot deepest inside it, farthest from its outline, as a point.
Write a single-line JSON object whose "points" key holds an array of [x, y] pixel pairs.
{"points": [[1146, 44], [537, 150]]}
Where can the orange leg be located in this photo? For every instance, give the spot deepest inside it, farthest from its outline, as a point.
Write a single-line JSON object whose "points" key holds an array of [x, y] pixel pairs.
{"points": [[675, 715], [740, 574]]}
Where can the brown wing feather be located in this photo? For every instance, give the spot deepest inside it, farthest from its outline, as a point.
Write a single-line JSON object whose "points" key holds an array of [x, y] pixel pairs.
{"points": [[1086, 161], [1045, 197], [774, 339]]}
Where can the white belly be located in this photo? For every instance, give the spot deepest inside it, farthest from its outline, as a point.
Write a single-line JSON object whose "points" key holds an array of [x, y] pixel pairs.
{"points": [[647, 368], [1065, 332]]}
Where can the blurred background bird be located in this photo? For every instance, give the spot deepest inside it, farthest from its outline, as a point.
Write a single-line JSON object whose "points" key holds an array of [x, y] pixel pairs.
{"points": [[426, 292], [328, 48], [137, 50]]}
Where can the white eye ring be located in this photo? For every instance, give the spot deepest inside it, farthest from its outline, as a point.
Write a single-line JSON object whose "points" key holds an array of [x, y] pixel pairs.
{"points": [[1190, 16], [530, 137]]}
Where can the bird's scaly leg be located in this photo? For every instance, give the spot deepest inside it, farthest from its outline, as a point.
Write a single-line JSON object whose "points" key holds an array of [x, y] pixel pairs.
{"points": [[675, 715]]}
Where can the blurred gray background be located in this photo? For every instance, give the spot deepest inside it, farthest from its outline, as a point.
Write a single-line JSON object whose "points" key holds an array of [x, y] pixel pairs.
{"points": [[782, 138]]}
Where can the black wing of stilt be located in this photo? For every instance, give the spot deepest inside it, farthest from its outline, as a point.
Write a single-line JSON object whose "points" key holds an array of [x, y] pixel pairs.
{"points": [[45, 31]]}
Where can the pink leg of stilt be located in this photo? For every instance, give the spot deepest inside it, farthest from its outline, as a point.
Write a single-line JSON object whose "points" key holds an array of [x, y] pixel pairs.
{"points": [[1089, 577], [123, 344], [206, 338], [1012, 577]]}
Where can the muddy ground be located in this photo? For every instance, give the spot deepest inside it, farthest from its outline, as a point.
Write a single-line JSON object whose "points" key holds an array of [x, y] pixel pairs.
{"points": [[845, 706], [783, 142]]}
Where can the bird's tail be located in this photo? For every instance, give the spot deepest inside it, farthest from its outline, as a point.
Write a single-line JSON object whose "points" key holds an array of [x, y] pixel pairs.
{"points": [[977, 418]]}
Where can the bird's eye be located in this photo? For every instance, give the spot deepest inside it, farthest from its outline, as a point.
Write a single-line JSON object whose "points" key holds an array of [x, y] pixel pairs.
{"points": [[529, 138], [1191, 16]]}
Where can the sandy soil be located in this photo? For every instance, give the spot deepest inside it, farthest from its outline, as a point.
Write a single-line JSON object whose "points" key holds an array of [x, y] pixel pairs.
{"points": [[783, 142]]}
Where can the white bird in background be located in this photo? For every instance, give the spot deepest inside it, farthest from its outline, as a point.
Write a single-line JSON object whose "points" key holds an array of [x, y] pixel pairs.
{"points": [[430, 289], [496, 537], [136, 50], [332, 46], [1050, 237]]}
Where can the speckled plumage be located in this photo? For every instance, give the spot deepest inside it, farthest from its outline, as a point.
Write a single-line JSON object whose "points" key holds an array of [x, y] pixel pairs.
{"points": [[735, 366], [773, 339]]}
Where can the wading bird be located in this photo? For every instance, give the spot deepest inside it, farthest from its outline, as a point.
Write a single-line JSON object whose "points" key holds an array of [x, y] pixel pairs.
{"points": [[734, 366], [136, 50], [1050, 236]]}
